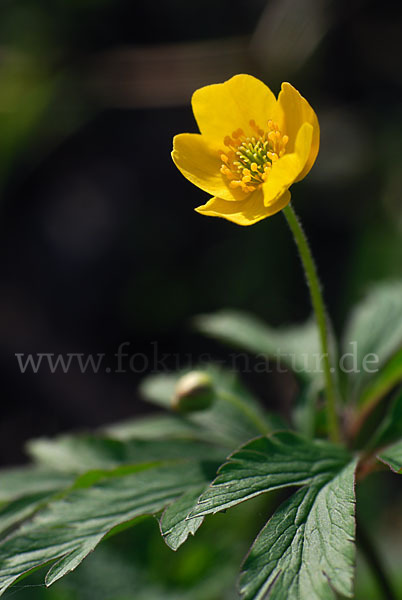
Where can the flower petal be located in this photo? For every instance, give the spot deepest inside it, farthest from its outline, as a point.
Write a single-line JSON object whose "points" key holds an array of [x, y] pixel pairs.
{"points": [[222, 108], [295, 111], [287, 169], [200, 163], [245, 212]]}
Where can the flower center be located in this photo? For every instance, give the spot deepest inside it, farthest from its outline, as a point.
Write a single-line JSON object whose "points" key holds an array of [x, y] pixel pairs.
{"points": [[248, 160]]}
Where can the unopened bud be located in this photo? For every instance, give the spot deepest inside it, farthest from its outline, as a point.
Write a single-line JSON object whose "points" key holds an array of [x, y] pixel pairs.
{"points": [[194, 391]]}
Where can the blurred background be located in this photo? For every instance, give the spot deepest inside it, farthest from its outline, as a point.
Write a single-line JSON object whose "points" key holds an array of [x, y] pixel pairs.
{"points": [[100, 245]]}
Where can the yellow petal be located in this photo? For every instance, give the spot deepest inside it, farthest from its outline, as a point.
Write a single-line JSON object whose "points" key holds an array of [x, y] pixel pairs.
{"points": [[200, 163], [287, 169], [295, 110], [222, 108], [246, 212]]}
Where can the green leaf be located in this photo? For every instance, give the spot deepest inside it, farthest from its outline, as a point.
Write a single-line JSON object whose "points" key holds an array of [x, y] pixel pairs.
{"points": [[391, 427], [267, 463], [139, 566], [69, 528], [314, 527], [375, 328], [16, 511], [392, 457], [79, 453], [234, 417], [159, 426], [306, 550], [387, 378], [174, 525], [23, 481], [297, 347], [24, 490]]}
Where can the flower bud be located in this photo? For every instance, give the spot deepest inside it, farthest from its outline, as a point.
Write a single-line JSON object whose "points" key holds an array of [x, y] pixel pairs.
{"points": [[194, 391]]}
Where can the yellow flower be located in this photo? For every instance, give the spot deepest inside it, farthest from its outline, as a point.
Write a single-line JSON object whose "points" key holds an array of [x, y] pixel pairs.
{"points": [[252, 147]]}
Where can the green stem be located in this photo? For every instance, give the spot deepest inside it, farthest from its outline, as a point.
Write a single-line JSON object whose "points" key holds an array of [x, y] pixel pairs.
{"points": [[369, 551], [248, 412], [320, 314]]}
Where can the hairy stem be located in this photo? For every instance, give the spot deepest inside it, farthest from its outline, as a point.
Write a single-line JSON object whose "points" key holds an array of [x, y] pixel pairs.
{"points": [[320, 315]]}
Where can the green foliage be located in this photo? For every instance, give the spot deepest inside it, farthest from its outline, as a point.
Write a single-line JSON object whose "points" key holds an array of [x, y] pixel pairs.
{"points": [[375, 328], [370, 357], [81, 453], [174, 524], [282, 560], [68, 528], [23, 481], [267, 463], [87, 488], [234, 417], [306, 550], [391, 427], [392, 457], [295, 347]]}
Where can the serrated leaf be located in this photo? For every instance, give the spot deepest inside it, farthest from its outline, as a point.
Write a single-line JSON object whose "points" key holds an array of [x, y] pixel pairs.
{"points": [[316, 526], [69, 528], [375, 327], [140, 567], [306, 550], [267, 463], [174, 525], [297, 347], [392, 456]]}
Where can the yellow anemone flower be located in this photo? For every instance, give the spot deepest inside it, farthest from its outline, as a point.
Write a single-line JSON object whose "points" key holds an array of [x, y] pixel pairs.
{"points": [[251, 148]]}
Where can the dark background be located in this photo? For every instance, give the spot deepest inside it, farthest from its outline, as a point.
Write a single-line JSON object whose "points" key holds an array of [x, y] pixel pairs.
{"points": [[99, 241]]}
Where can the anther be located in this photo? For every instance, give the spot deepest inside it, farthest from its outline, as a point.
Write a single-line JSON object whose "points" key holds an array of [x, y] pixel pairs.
{"points": [[248, 160]]}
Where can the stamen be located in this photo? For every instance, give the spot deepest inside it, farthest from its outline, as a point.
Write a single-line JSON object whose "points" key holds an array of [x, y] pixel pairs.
{"points": [[234, 184], [247, 161]]}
